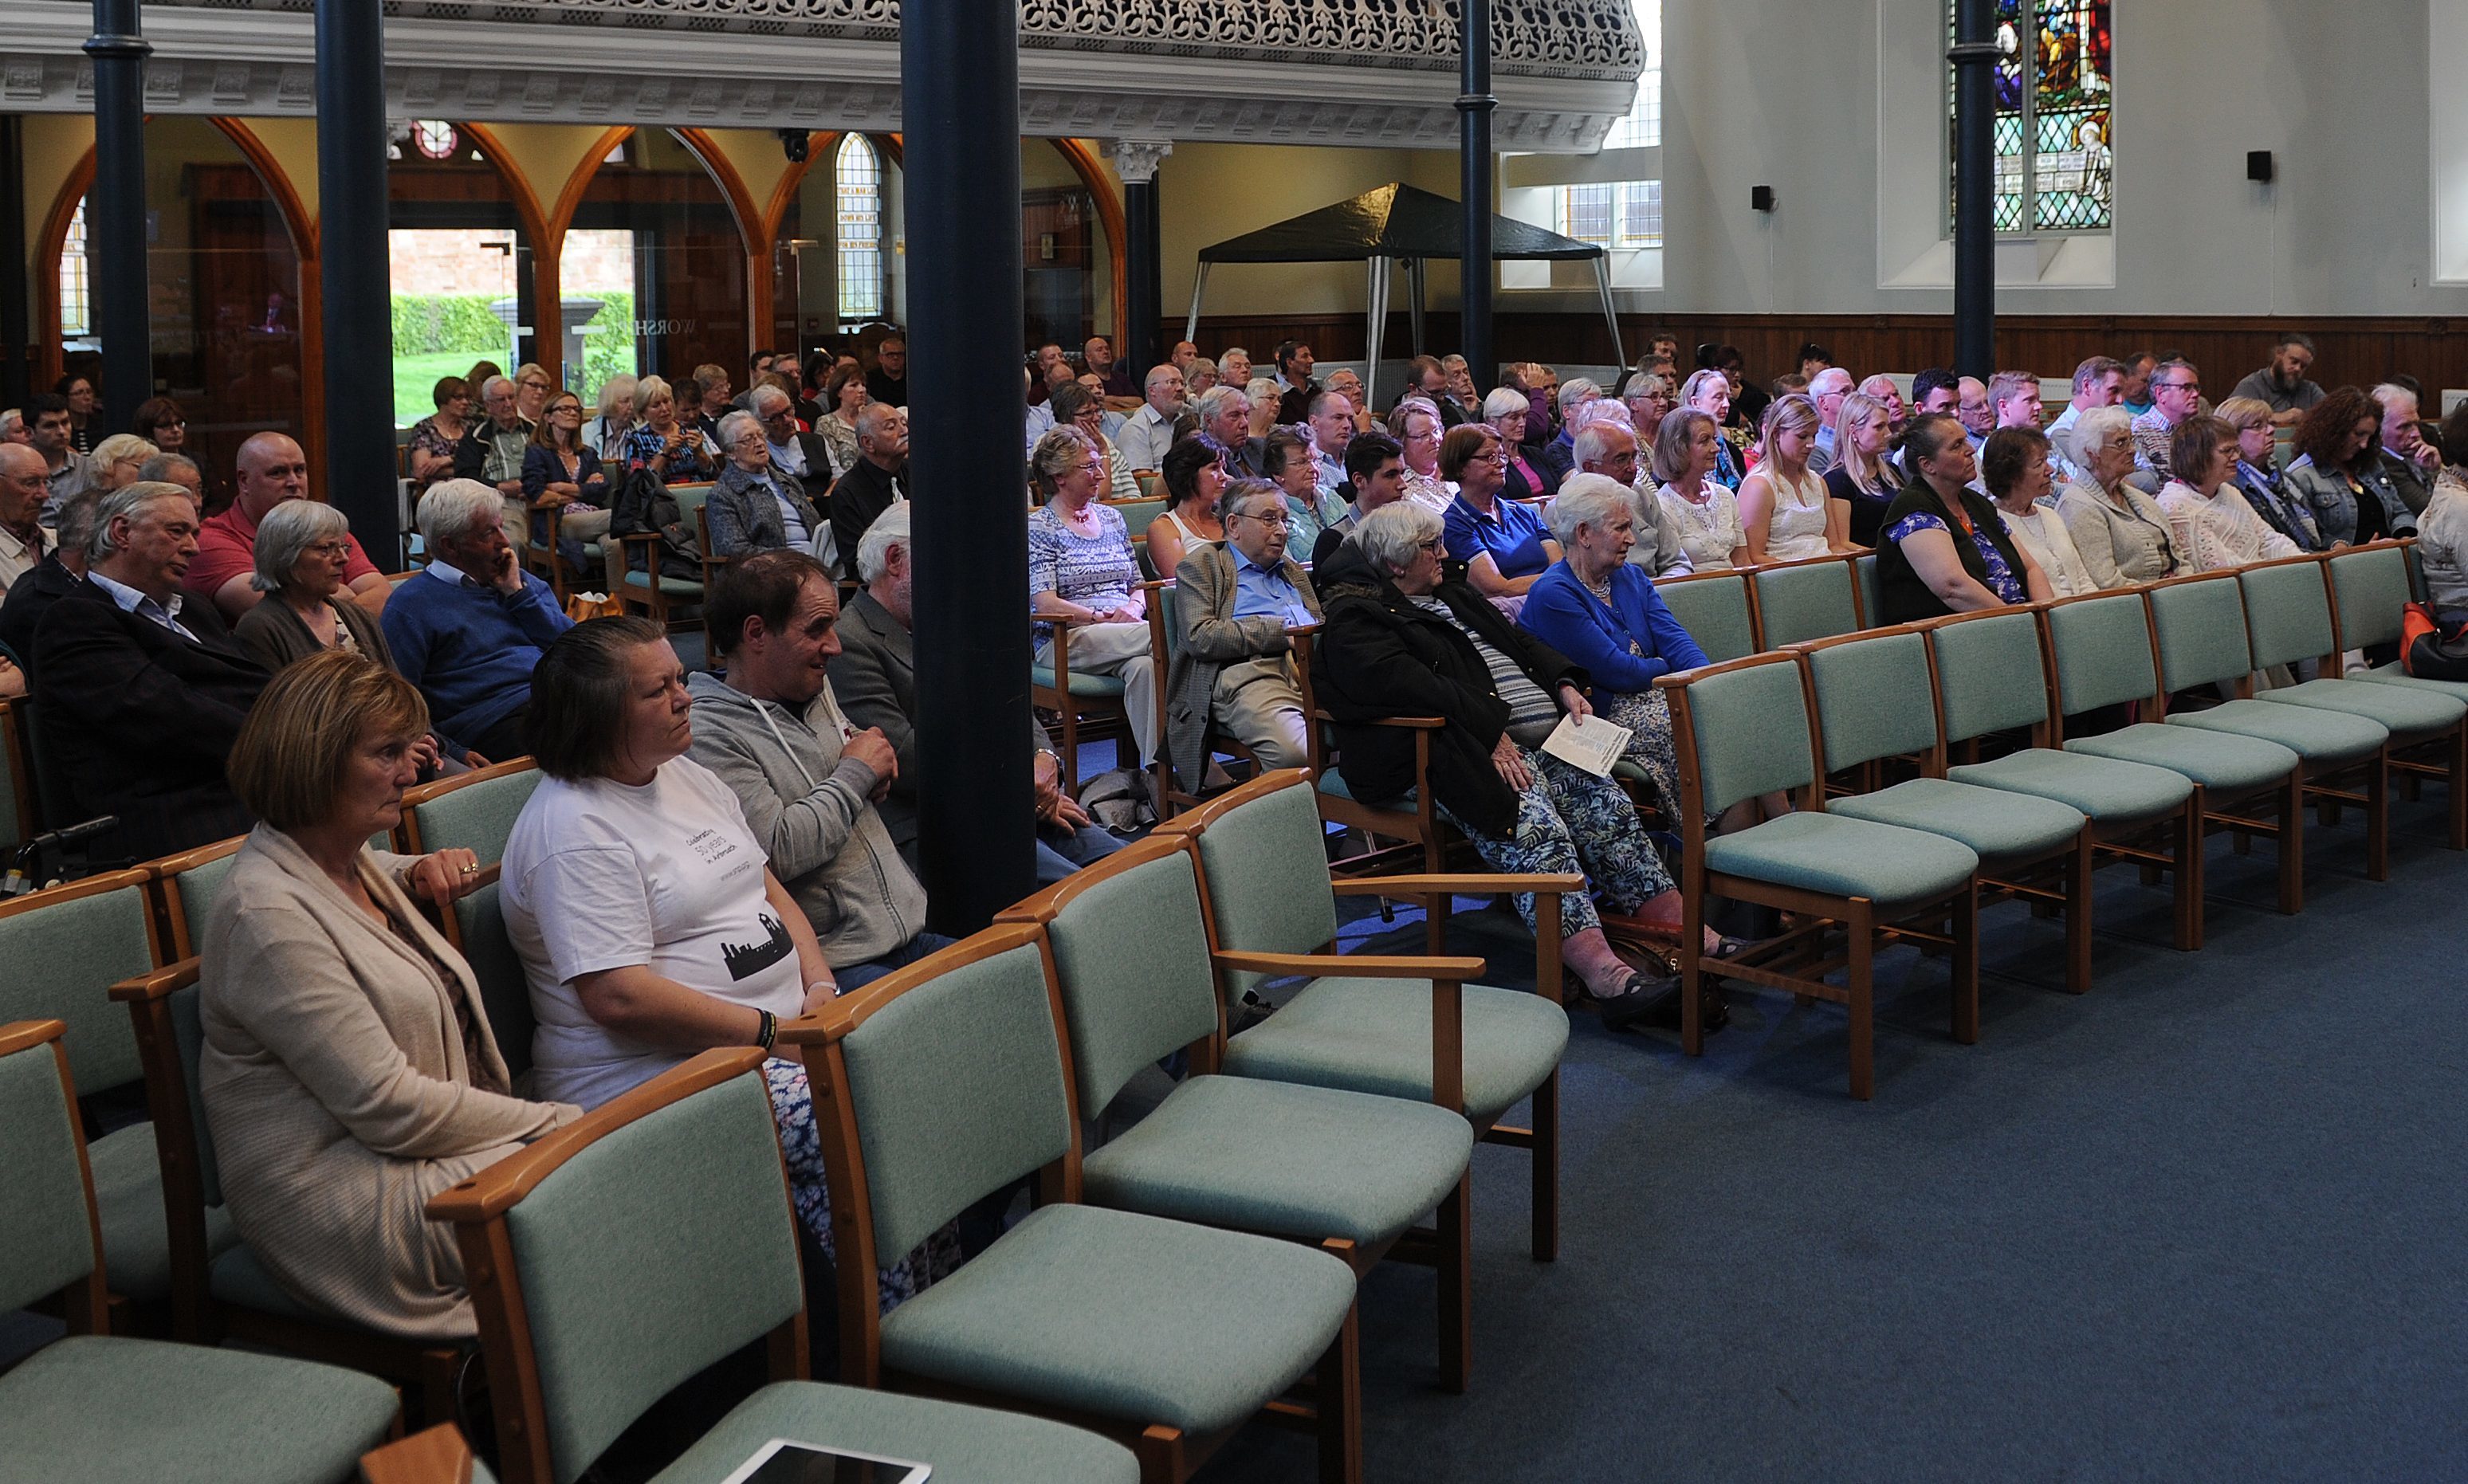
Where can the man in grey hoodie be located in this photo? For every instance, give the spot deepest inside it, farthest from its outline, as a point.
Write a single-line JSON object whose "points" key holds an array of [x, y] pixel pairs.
{"points": [[806, 778]]}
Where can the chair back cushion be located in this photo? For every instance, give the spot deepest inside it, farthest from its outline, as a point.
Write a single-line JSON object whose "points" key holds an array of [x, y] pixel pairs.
{"points": [[2287, 612], [1872, 601], [1989, 674], [1749, 729], [1136, 515], [957, 1088], [480, 918], [477, 816], [1872, 698], [1265, 867], [1131, 955], [1168, 606], [2371, 589], [2201, 628], [46, 1242], [1714, 609], [1804, 601], [193, 894], [59, 962], [653, 1251], [2103, 653]]}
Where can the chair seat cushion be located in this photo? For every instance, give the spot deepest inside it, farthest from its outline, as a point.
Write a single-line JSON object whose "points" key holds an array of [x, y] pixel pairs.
{"points": [[1333, 781], [1099, 686], [2401, 709], [1283, 1159], [2397, 674], [2319, 737], [673, 586], [1375, 1035], [1998, 825], [2106, 790], [1842, 857], [963, 1444], [238, 1277], [2220, 762], [128, 1196], [93, 1407], [1127, 1316]]}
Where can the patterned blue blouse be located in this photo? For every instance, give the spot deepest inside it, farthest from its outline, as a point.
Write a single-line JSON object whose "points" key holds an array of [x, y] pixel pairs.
{"points": [[1093, 571], [2002, 580]]}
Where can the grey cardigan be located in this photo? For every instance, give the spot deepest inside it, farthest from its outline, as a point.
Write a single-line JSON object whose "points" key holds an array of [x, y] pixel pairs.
{"points": [[1212, 638], [2119, 547], [811, 810], [278, 638]]}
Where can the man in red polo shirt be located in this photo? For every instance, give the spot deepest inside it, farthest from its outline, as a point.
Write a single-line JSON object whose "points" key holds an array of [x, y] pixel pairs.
{"points": [[270, 470]]}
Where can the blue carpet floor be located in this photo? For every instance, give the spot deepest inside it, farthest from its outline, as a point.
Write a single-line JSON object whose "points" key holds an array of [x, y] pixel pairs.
{"points": [[2205, 1223]]}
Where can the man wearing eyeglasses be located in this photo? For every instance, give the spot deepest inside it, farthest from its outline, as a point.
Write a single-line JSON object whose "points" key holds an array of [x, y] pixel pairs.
{"points": [[2176, 394], [1237, 603], [803, 457]]}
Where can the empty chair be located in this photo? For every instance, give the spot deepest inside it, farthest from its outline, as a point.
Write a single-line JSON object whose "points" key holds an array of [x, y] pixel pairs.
{"points": [[474, 811], [1800, 600], [1863, 688], [1743, 731], [2369, 589], [2100, 655], [1717, 609], [92, 1406], [1864, 574], [633, 1249], [1990, 677], [1168, 1334], [1129, 955]]}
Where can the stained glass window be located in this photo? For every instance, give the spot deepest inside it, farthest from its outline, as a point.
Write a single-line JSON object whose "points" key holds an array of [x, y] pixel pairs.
{"points": [[2052, 136], [859, 229], [73, 300]]}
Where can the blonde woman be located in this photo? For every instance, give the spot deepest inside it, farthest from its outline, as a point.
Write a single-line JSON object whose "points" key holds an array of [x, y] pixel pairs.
{"points": [[1786, 511], [116, 460], [1864, 476]]}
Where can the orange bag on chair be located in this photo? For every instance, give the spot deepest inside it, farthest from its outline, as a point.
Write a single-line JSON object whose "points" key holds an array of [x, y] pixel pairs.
{"points": [[582, 606]]}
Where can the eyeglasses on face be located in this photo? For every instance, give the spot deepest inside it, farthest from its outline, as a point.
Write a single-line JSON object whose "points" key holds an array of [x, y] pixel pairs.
{"points": [[1271, 517], [331, 549]]}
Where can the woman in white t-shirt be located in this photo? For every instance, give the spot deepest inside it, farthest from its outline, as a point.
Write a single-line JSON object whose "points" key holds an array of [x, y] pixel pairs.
{"points": [[648, 925]]}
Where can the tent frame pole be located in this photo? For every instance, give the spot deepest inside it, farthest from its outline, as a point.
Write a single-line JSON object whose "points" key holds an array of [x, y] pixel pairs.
{"points": [[1610, 314], [1415, 268], [1199, 286], [1372, 331]]}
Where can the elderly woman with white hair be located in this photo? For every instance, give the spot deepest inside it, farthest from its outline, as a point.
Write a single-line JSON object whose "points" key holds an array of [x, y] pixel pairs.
{"points": [[2122, 534], [1508, 411], [1709, 392], [755, 507], [605, 434], [1417, 427], [1083, 578], [1398, 641], [664, 442]]}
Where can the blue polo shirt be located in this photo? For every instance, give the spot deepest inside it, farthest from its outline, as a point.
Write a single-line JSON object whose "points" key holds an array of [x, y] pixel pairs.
{"points": [[1513, 534], [1262, 592]]}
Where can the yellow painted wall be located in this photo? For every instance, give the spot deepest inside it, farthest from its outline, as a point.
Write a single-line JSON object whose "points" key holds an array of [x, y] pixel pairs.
{"points": [[756, 155], [293, 142], [545, 156], [55, 143], [1213, 191]]}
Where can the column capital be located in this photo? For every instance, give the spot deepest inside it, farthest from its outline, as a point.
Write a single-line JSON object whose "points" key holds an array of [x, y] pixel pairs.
{"points": [[1137, 160]]}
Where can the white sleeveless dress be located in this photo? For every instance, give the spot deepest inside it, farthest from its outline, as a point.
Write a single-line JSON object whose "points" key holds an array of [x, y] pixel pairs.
{"points": [[1796, 526]]}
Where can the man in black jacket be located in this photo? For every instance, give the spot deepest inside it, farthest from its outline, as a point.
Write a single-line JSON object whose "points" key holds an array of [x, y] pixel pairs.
{"points": [[876, 482], [142, 695], [801, 456]]}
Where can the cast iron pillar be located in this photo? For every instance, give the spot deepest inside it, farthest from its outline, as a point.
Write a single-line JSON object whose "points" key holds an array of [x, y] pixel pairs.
{"points": [[1136, 161], [959, 74], [15, 315], [115, 214], [1974, 55], [1474, 105], [358, 315]]}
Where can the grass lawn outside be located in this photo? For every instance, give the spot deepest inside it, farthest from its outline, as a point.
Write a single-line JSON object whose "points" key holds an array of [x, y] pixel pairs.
{"points": [[413, 375]]}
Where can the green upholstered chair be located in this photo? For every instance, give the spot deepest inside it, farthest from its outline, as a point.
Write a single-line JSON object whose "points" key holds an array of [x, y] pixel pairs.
{"points": [[2100, 655], [1864, 574], [1990, 676], [1168, 1334], [2288, 614], [1078, 698], [1412, 821], [1718, 610], [624, 1253], [476, 927], [93, 1406], [1800, 600], [2371, 586], [1136, 515], [475, 811], [1862, 688], [64, 948], [1742, 731], [1378, 1025], [2198, 625], [1129, 949], [641, 586], [219, 1287]]}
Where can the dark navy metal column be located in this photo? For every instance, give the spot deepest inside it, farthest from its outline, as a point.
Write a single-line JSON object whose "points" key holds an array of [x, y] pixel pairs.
{"points": [[959, 73], [15, 316], [115, 214], [1974, 53], [1474, 105], [358, 316]]}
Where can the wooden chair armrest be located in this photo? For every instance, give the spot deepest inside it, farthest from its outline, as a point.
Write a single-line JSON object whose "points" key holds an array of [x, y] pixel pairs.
{"points": [[1416, 723], [157, 985], [1471, 883], [1351, 965], [437, 1456]]}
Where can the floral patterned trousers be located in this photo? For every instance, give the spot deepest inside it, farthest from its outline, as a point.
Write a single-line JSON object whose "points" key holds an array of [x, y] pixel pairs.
{"points": [[801, 1147], [1570, 820]]}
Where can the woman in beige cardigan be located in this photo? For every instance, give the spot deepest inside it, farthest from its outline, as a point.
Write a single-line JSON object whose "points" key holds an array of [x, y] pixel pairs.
{"points": [[348, 1072]]}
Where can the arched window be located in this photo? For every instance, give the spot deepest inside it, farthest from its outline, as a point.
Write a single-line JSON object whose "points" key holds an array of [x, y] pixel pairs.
{"points": [[73, 300], [2053, 96], [857, 229]]}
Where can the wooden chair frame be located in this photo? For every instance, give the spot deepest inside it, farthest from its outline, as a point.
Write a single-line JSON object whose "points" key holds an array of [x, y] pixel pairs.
{"points": [[21, 769], [1419, 831], [1057, 697], [434, 1455], [654, 601], [478, 1206], [1799, 958], [1446, 1246], [197, 1314], [1448, 1034], [1756, 596], [1329, 1404], [86, 1303], [2439, 756], [179, 934], [406, 834]]}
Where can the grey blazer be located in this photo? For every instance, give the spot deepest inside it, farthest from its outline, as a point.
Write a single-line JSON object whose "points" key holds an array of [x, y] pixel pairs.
{"points": [[1211, 638], [744, 517]]}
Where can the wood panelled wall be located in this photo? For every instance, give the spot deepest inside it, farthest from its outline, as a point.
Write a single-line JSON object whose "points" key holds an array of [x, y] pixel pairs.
{"points": [[2358, 350]]}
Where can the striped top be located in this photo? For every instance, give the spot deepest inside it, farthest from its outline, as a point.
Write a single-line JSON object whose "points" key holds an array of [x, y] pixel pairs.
{"points": [[1531, 712]]}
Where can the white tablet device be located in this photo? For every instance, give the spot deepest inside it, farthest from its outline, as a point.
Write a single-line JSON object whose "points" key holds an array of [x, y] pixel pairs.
{"points": [[786, 1461]]}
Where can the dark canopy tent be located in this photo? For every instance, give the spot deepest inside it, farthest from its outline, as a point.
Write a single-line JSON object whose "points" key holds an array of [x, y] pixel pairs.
{"points": [[1390, 224]]}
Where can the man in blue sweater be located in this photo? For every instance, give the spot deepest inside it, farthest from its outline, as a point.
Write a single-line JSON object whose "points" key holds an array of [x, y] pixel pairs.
{"points": [[468, 631]]}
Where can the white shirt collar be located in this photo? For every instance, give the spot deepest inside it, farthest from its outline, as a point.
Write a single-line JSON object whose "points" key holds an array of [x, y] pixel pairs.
{"points": [[444, 573]]}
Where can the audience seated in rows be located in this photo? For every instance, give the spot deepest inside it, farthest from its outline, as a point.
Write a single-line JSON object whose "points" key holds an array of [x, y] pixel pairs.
{"points": [[143, 692], [2120, 533], [1082, 575], [23, 541], [1944, 550], [1688, 449], [48, 581], [1295, 387], [2099, 381], [1294, 467], [1418, 427], [1826, 389], [667, 442], [1863, 477], [1786, 511], [1330, 415], [1509, 414], [2442, 531], [844, 398], [2403, 475], [2176, 394], [2257, 476], [492, 450], [1148, 432], [1609, 448], [1225, 424], [1710, 392], [269, 469], [2337, 469], [562, 472], [1238, 601], [605, 433], [2281, 386], [1504, 544], [754, 507], [431, 452], [1075, 406], [349, 1070], [45, 421], [1376, 469], [796, 453], [76, 393], [878, 480], [176, 469], [469, 629]]}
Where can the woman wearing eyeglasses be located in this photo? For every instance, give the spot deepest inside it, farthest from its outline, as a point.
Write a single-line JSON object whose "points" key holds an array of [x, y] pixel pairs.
{"points": [[1504, 544], [1082, 576], [754, 507], [561, 473]]}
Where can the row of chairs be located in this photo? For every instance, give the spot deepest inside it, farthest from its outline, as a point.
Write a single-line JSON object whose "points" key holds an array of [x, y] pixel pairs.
{"points": [[1862, 863]]}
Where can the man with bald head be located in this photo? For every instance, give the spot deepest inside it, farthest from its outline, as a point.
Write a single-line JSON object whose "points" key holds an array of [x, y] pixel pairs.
{"points": [[269, 469], [23, 541], [1148, 433]]}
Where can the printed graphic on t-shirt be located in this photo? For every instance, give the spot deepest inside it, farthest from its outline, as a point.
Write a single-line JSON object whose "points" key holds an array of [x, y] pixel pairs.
{"points": [[711, 847], [744, 960]]}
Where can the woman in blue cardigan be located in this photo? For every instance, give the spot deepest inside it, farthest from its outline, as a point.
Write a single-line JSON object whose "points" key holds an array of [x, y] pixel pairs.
{"points": [[1604, 614]]}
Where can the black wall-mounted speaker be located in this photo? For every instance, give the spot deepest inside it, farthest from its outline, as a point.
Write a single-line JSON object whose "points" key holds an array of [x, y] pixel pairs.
{"points": [[1761, 198], [2257, 164]]}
